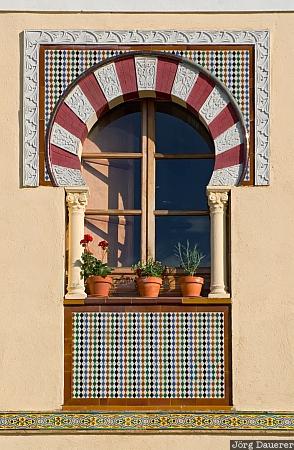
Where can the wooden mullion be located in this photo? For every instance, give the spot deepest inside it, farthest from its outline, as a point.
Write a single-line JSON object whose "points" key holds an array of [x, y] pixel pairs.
{"points": [[183, 156], [151, 180], [114, 155], [144, 144], [166, 212], [113, 212]]}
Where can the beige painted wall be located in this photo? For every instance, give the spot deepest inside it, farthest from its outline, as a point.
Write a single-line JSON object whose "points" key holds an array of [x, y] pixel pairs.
{"points": [[124, 442], [32, 241]]}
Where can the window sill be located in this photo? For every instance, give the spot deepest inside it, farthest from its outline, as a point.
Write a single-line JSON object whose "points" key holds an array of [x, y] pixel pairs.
{"points": [[92, 301]]}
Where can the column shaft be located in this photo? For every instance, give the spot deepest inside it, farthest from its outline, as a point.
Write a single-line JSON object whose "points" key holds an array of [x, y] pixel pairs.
{"points": [[217, 200], [76, 200]]}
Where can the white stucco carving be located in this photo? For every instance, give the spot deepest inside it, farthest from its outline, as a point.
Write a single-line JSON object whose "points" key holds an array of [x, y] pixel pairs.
{"points": [[109, 82], [68, 177], [79, 104], [213, 105], [227, 176], [62, 138], [185, 79], [146, 69], [229, 139]]}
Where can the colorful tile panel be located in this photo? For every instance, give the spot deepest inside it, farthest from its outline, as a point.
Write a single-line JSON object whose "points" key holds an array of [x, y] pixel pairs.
{"points": [[62, 67], [237, 421], [148, 355]]}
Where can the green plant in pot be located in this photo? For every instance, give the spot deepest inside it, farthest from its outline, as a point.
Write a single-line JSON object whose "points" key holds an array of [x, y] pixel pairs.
{"points": [[95, 271], [149, 279], [190, 259]]}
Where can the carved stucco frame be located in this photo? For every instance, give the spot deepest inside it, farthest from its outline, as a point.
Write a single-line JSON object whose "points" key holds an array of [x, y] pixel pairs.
{"points": [[34, 38]]}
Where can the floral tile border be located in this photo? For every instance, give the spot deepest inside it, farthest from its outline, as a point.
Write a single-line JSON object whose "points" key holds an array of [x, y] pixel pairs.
{"points": [[94, 421]]}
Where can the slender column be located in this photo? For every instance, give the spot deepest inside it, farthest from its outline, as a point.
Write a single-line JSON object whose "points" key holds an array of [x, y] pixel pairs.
{"points": [[217, 200], [76, 200]]}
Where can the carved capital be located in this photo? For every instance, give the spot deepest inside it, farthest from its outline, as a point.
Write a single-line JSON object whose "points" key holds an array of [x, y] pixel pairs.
{"points": [[217, 201], [77, 200]]}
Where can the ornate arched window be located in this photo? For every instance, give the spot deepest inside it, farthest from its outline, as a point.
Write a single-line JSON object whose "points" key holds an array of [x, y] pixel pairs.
{"points": [[147, 164], [163, 191]]}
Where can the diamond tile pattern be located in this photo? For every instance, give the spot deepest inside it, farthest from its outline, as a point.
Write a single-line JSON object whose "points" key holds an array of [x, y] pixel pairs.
{"points": [[148, 355]]}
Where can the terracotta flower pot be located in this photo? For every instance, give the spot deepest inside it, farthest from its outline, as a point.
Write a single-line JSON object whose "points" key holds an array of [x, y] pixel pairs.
{"points": [[99, 286], [149, 286], [191, 286]]}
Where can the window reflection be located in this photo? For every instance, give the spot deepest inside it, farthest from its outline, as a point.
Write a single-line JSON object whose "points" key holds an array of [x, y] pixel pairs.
{"points": [[123, 234], [117, 131], [181, 184], [113, 183], [179, 131], [171, 229]]}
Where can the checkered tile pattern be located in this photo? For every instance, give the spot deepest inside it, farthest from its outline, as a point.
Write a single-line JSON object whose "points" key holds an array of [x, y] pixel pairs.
{"points": [[148, 355], [62, 67]]}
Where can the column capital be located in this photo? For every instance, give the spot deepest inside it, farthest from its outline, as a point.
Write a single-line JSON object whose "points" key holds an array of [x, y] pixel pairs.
{"points": [[217, 199], [77, 198]]}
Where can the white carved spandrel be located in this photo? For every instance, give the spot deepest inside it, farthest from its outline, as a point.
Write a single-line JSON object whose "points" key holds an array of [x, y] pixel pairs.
{"points": [[62, 138], [79, 104], [34, 38], [65, 176], [109, 82], [232, 137], [146, 69], [228, 176], [214, 104], [185, 79]]}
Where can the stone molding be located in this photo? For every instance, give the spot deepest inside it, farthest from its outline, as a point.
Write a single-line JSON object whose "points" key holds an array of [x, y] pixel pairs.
{"points": [[34, 38]]}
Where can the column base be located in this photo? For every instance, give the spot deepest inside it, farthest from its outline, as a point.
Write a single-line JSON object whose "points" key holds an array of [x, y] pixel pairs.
{"points": [[75, 296], [219, 295]]}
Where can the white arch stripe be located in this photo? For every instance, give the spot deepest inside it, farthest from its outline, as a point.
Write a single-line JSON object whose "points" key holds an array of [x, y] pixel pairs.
{"points": [[230, 138], [184, 81], [226, 176], [66, 176], [109, 82], [79, 104], [146, 70], [62, 138], [214, 104]]}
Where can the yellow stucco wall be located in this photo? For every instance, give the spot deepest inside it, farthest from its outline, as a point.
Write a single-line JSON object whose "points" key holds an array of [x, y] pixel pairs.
{"points": [[32, 245]]}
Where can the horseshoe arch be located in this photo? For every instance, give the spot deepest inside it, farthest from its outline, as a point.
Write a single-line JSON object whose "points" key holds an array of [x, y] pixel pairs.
{"points": [[137, 75]]}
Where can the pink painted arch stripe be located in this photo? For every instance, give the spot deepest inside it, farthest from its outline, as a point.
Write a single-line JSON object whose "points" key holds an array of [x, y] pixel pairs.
{"points": [[60, 157], [232, 157]]}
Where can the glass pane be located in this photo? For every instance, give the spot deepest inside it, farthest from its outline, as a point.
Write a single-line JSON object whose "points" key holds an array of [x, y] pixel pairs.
{"points": [[170, 230], [181, 183], [179, 131], [118, 131], [113, 183], [123, 233]]}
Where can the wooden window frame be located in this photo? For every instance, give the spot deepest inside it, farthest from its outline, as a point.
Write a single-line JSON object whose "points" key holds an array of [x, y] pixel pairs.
{"points": [[148, 156]]}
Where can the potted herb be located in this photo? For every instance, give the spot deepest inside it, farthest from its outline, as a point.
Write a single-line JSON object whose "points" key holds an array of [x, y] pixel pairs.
{"points": [[95, 271], [190, 259], [149, 277]]}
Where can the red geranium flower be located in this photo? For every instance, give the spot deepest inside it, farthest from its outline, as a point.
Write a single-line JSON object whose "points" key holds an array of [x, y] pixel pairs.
{"points": [[87, 238], [103, 244]]}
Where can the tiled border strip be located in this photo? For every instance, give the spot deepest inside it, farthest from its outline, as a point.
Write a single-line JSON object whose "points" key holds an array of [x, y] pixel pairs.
{"points": [[147, 422], [33, 39]]}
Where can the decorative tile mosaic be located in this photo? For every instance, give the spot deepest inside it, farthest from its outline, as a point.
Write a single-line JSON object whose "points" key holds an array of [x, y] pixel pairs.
{"points": [[148, 355], [62, 67], [277, 422]]}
